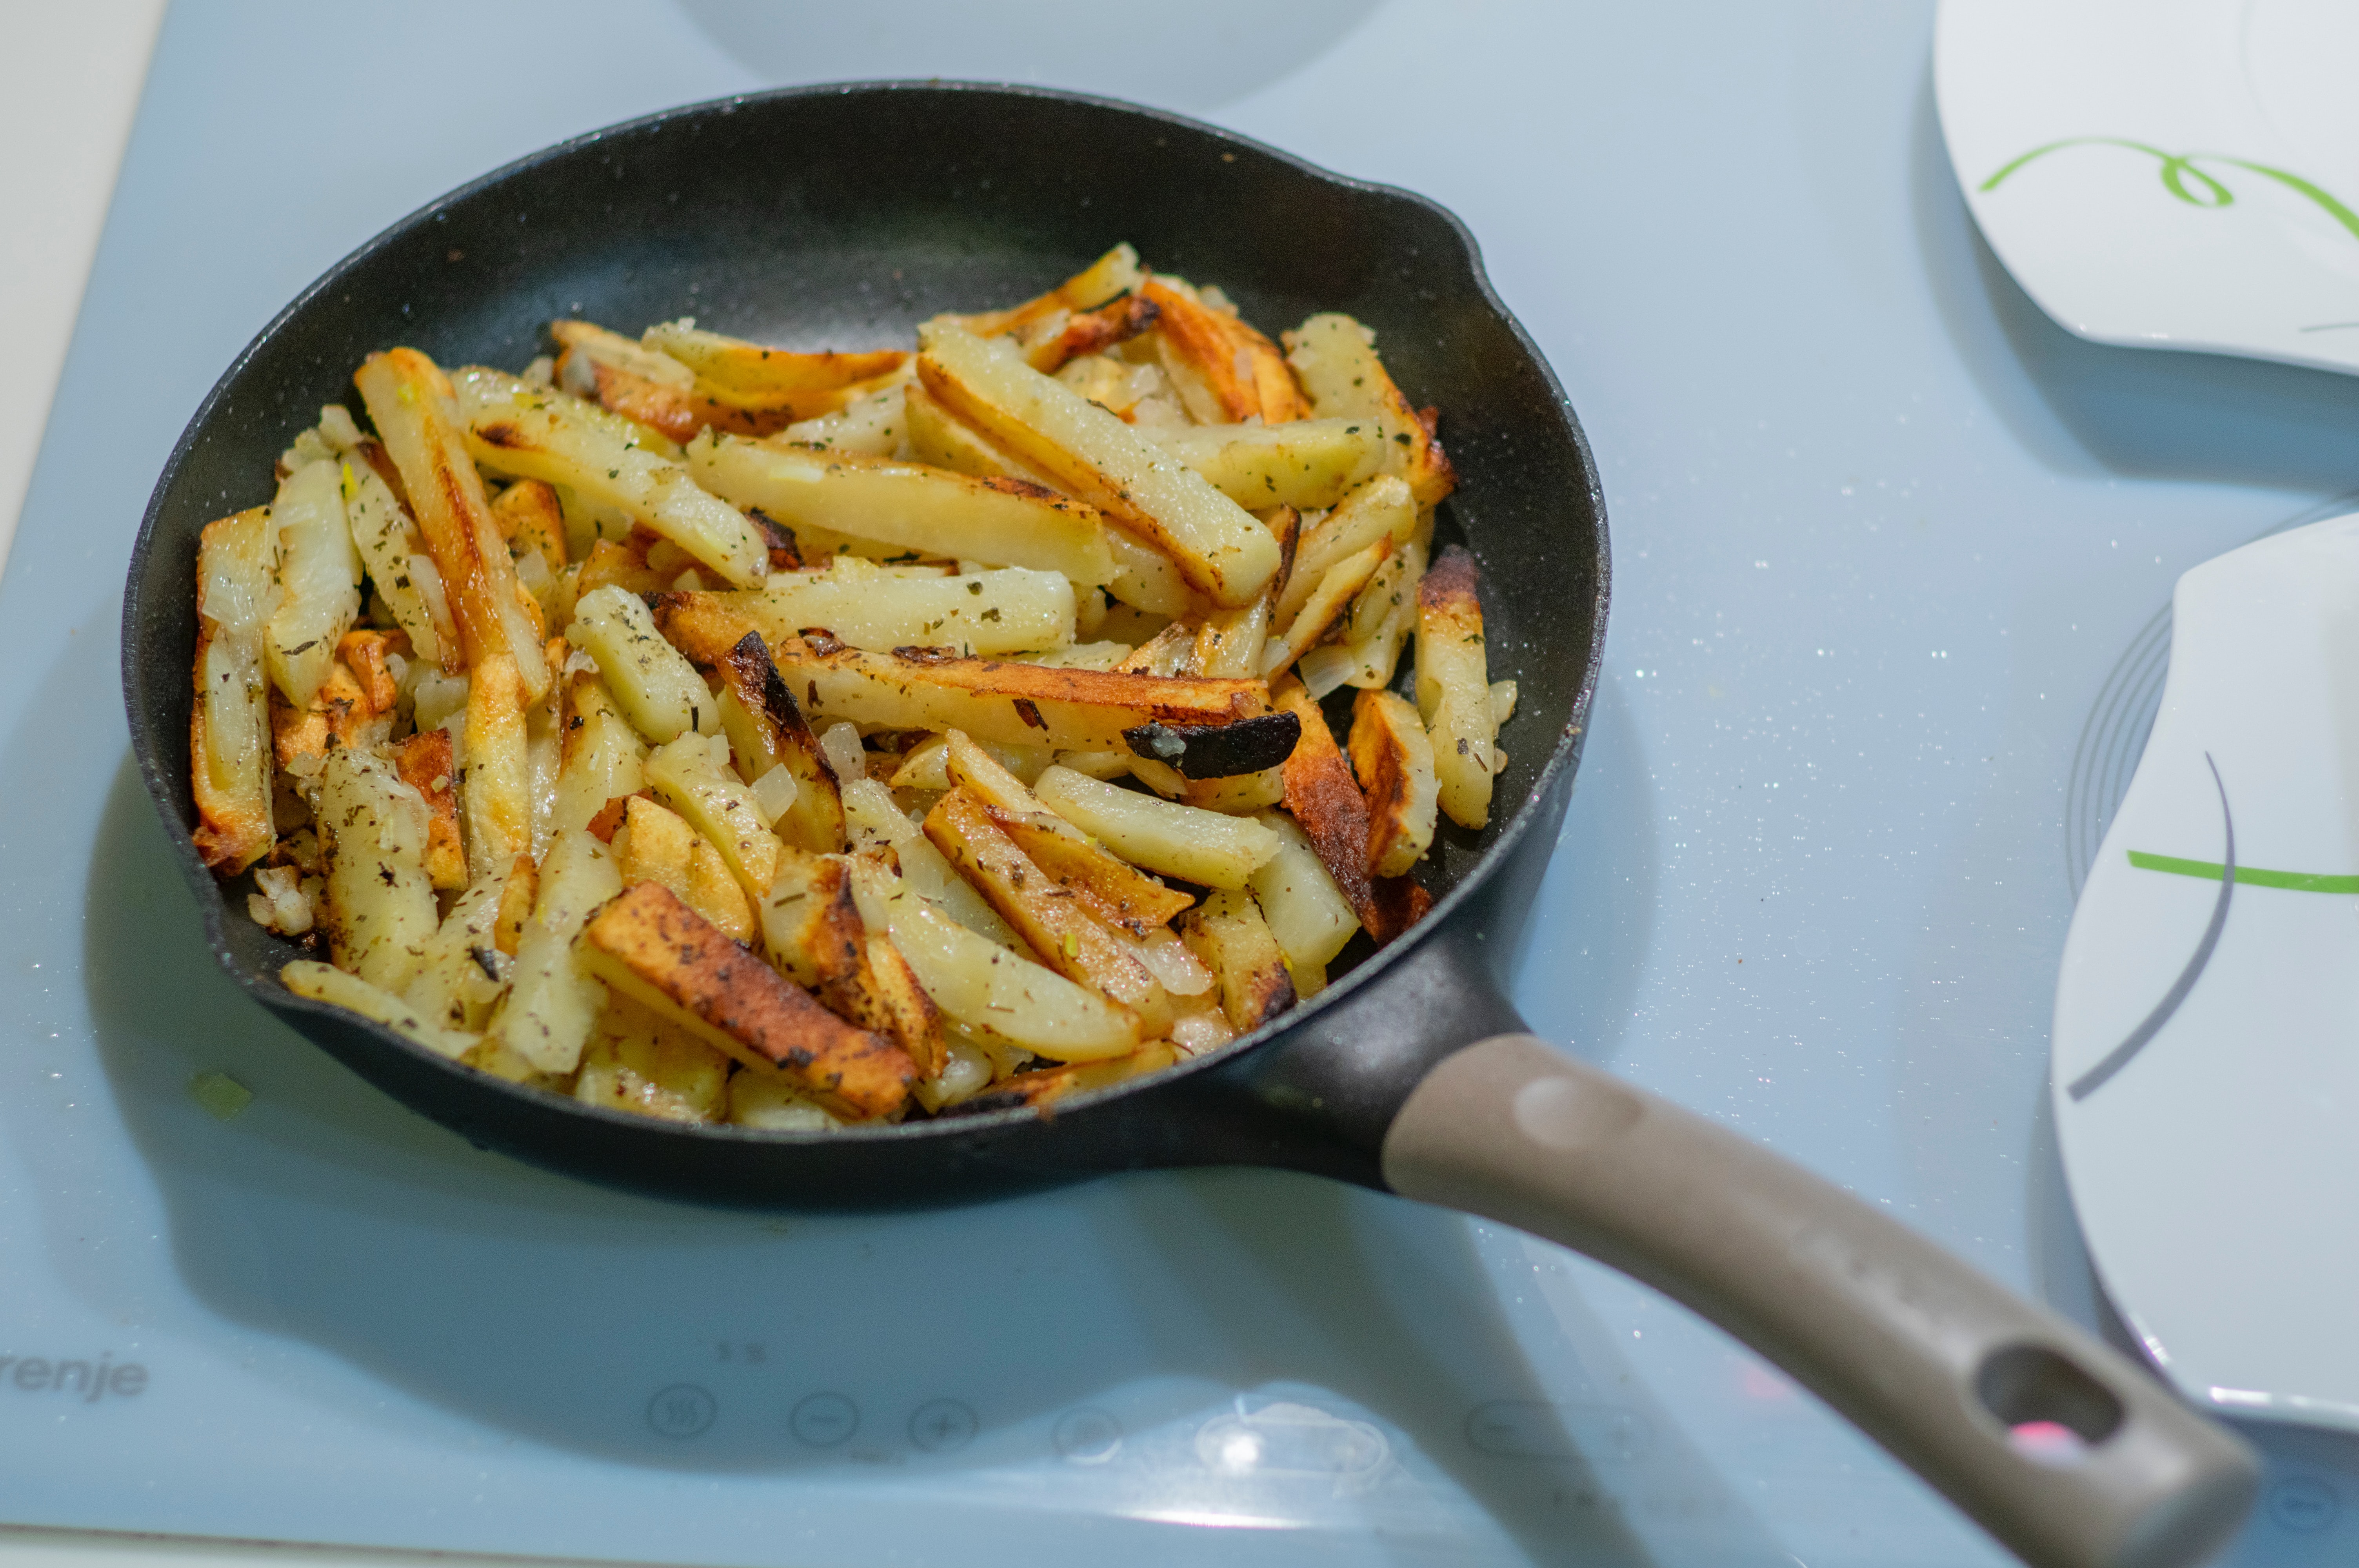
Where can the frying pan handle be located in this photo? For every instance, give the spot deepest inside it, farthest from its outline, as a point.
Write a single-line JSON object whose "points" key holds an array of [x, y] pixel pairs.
{"points": [[2058, 1446]]}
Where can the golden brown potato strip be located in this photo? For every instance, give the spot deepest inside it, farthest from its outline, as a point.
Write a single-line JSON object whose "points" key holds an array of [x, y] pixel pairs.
{"points": [[516, 897], [340, 715], [423, 760], [495, 789], [1238, 370], [1116, 891], [529, 515], [619, 566], [1393, 756], [817, 936], [1334, 359], [1323, 798], [1230, 935], [415, 410], [364, 654], [1059, 928], [653, 948], [770, 386], [991, 700], [1052, 341], [767, 730], [1114, 274], [1401, 903], [642, 385]]}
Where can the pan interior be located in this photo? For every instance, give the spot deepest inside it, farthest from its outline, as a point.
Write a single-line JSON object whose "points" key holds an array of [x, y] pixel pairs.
{"points": [[841, 219]]}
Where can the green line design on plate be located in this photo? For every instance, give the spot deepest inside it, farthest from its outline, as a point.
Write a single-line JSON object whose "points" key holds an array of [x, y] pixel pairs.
{"points": [[2247, 876], [2178, 168]]}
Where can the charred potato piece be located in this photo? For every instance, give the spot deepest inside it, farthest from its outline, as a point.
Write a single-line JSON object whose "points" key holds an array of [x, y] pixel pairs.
{"points": [[1393, 757]]}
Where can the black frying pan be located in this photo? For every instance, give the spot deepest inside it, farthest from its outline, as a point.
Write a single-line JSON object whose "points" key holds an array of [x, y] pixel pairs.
{"points": [[841, 217]]}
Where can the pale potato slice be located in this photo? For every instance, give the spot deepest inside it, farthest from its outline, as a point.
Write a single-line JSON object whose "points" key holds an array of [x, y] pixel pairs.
{"points": [[417, 416], [687, 776], [380, 909], [907, 506], [1393, 756], [390, 549], [777, 382], [528, 432], [653, 948], [1334, 360], [940, 439], [495, 788], [230, 744], [1310, 463], [1145, 577], [878, 819], [325, 982], [1333, 596], [649, 1065], [1092, 456], [771, 1102], [1381, 620], [554, 1000], [985, 989], [1184, 841], [319, 574], [1453, 688], [1231, 935], [1309, 917], [1007, 611], [461, 972], [601, 757], [1379, 510], [872, 425], [1060, 928], [1230, 642], [658, 690]]}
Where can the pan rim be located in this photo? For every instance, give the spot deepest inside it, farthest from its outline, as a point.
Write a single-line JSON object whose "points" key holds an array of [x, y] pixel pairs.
{"points": [[213, 904]]}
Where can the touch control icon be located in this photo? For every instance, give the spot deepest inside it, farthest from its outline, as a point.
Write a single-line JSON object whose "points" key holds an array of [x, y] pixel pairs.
{"points": [[2303, 1504], [682, 1411], [943, 1426], [822, 1421], [1087, 1436]]}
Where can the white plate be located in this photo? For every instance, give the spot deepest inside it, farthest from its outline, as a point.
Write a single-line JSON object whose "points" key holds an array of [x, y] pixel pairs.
{"points": [[2166, 173], [2206, 1057]]}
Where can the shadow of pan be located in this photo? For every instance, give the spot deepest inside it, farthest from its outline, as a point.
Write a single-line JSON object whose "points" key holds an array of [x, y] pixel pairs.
{"points": [[559, 1312]]}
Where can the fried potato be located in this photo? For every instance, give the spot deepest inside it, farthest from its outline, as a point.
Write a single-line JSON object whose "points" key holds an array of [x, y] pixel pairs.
{"points": [[1226, 372], [396, 558], [1230, 933], [878, 820], [1117, 893], [653, 949], [766, 730], [601, 758], [1230, 642], [940, 439], [1092, 456], [1311, 463], [1381, 619], [325, 982], [532, 518], [989, 613], [657, 845], [1393, 756], [319, 575], [554, 1000], [984, 988], [1060, 928], [770, 1103], [495, 789], [1325, 607], [1037, 1090], [1453, 688], [417, 416], [1145, 577], [1065, 335], [643, 1063], [813, 925], [874, 424], [380, 909], [833, 496], [1502, 702], [1322, 797], [656, 689], [230, 738], [1334, 359], [1379, 510], [529, 432], [774, 386], [461, 972], [999, 702], [1112, 275], [621, 377], [1309, 917], [423, 762], [1201, 847], [686, 775]]}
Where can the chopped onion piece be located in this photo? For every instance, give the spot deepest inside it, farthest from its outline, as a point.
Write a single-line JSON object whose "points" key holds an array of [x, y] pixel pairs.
{"points": [[774, 793], [846, 756], [1325, 668]]}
